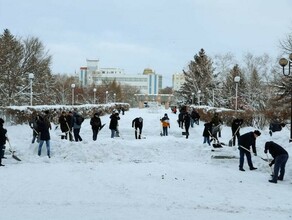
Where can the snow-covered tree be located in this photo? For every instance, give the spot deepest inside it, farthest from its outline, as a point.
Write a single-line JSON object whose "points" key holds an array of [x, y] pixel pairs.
{"points": [[198, 76], [18, 58]]}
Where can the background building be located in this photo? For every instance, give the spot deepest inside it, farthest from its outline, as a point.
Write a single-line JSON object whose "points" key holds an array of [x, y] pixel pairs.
{"points": [[149, 82], [177, 80]]}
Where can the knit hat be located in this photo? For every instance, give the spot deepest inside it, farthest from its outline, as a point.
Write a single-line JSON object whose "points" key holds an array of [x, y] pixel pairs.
{"points": [[257, 133]]}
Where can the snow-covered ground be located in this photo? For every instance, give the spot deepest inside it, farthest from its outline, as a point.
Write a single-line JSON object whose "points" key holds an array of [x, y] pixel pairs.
{"points": [[157, 178]]}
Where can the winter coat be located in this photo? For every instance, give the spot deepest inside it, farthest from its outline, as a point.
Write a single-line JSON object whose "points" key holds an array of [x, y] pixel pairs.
{"points": [[216, 120], [195, 115], [236, 124], [138, 123], [44, 126], [114, 121], [246, 140], [95, 122], [207, 129], [3, 137], [187, 119], [75, 125], [165, 122], [33, 123], [274, 149], [64, 123]]}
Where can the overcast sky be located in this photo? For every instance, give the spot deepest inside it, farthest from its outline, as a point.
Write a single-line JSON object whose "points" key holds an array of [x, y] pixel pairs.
{"points": [[163, 35]]}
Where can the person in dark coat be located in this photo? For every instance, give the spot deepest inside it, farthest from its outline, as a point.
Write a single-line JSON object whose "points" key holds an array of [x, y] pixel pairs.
{"points": [[280, 157], [44, 126], [95, 123], [137, 123], [64, 121], [187, 122], [207, 132], [275, 126], [216, 122], [235, 127], [245, 141], [195, 117], [3, 139], [77, 126], [33, 125], [113, 126], [180, 119]]}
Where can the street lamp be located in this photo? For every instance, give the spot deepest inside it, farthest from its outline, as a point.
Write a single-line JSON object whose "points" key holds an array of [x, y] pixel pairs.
{"points": [[106, 94], [73, 87], [94, 92], [236, 80], [115, 97], [30, 77], [199, 94], [283, 62]]}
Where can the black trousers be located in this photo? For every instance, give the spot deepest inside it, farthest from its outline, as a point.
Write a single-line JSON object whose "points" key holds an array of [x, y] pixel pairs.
{"points": [[138, 132]]}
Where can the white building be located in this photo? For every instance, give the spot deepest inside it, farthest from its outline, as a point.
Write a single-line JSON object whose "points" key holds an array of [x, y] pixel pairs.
{"points": [[148, 82], [177, 80]]}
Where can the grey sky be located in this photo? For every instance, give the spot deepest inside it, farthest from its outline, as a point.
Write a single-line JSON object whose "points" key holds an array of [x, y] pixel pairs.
{"points": [[163, 35]]}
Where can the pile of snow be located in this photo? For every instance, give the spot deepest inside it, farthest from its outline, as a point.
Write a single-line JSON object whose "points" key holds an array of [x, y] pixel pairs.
{"points": [[152, 178]]}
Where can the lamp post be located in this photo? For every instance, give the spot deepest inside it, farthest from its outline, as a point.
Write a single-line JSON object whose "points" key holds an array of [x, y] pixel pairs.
{"points": [[115, 97], [236, 80], [283, 62], [30, 77], [73, 87], [106, 94], [94, 92], [199, 94]]}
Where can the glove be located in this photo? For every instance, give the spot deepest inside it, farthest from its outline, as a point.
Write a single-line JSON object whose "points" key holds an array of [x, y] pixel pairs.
{"points": [[255, 154]]}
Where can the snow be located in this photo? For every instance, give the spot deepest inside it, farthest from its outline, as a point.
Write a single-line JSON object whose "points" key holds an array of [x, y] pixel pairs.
{"points": [[153, 178]]}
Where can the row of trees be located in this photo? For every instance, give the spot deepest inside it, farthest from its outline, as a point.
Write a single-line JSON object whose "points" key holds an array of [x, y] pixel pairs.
{"points": [[262, 85], [261, 81], [19, 57]]}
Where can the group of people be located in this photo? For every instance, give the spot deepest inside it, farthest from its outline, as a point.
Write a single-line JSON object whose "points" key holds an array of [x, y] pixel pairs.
{"points": [[71, 122], [246, 142], [279, 154]]}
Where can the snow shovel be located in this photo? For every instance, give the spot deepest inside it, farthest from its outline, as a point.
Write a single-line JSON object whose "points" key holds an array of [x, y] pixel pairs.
{"points": [[230, 143], [12, 151], [101, 127], [216, 143], [251, 152]]}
